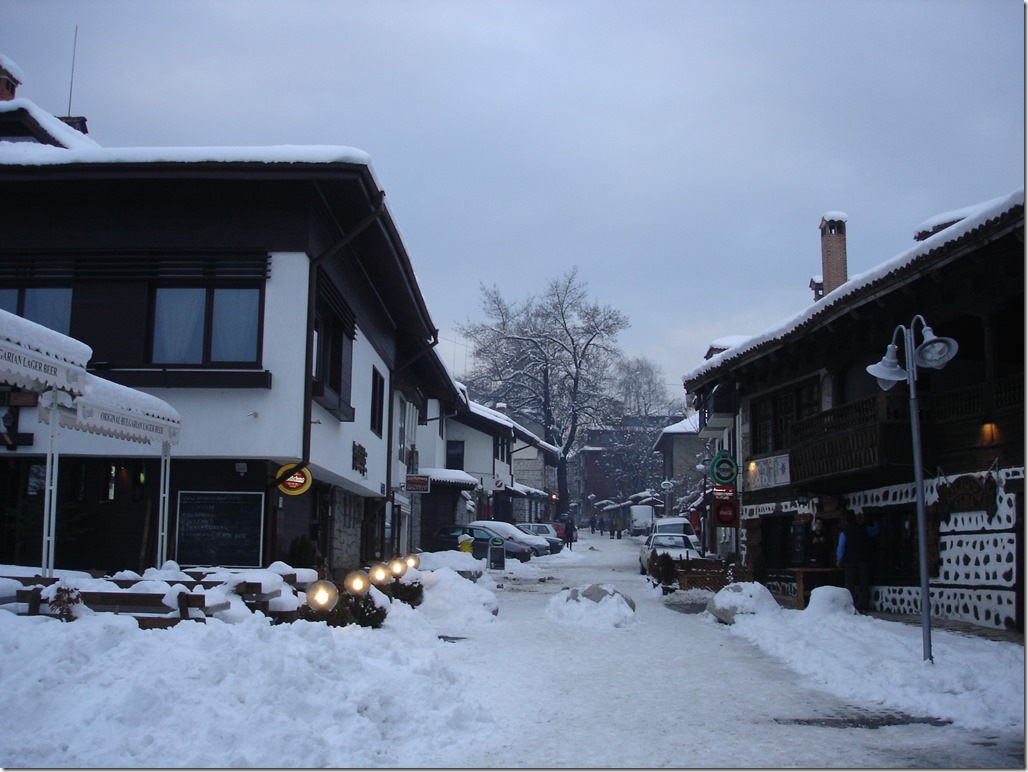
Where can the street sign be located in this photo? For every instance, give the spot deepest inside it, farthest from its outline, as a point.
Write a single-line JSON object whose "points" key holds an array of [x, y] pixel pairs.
{"points": [[726, 514], [724, 491], [723, 468], [418, 483]]}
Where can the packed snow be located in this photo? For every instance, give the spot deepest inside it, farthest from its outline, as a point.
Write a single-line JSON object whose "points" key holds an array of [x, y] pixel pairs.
{"points": [[513, 668]]}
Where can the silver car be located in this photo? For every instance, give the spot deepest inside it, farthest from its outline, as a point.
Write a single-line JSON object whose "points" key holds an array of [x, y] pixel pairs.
{"points": [[672, 544]]}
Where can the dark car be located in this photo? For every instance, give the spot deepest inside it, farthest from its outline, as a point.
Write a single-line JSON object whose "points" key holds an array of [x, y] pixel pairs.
{"points": [[447, 538]]}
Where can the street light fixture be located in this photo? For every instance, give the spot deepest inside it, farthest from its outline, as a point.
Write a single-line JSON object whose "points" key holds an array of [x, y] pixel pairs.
{"points": [[412, 561], [322, 596], [380, 574], [934, 352]]}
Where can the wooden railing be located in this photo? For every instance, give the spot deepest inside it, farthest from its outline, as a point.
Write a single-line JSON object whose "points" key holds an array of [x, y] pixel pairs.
{"points": [[874, 432]]}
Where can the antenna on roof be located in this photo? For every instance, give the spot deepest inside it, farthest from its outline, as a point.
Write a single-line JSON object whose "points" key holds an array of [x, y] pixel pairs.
{"points": [[74, 49]]}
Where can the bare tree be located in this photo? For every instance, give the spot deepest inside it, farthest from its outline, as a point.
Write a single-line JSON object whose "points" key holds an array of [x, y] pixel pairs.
{"points": [[639, 387], [549, 358], [642, 408]]}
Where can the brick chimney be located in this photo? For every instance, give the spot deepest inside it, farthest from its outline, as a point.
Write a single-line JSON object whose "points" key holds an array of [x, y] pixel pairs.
{"points": [[833, 251], [10, 79]]}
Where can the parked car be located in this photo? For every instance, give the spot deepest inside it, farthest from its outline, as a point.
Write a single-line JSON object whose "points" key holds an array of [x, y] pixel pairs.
{"points": [[447, 537], [547, 532], [542, 529], [680, 525], [558, 528], [672, 544], [537, 544]]}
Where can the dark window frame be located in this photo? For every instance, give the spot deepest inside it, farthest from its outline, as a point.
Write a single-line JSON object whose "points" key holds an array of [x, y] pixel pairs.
{"points": [[377, 413], [772, 414]]}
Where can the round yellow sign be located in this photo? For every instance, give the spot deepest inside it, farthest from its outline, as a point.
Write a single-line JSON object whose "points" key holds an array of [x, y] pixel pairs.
{"points": [[298, 482]]}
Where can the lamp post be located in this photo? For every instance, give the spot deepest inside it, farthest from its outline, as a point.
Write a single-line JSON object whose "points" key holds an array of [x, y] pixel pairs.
{"points": [[934, 352]]}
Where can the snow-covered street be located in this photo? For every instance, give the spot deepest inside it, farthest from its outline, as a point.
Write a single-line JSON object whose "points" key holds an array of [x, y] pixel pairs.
{"points": [[671, 689], [544, 683]]}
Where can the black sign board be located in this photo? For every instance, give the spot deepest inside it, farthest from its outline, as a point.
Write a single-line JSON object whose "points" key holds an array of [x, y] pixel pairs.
{"points": [[220, 528]]}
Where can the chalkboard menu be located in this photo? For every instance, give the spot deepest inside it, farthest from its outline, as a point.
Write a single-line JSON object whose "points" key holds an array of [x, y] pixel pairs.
{"points": [[220, 528]]}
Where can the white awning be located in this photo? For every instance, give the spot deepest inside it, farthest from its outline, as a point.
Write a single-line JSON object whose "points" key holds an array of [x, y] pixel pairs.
{"points": [[457, 478], [114, 410], [35, 357]]}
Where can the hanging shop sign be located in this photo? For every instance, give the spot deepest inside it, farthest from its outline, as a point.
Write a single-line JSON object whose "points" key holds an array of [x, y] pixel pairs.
{"points": [[724, 491], [726, 514], [723, 468], [298, 482], [418, 483]]}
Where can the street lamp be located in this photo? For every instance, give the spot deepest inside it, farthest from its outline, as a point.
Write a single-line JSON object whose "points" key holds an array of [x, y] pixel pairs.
{"points": [[934, 352], [322, 596]]}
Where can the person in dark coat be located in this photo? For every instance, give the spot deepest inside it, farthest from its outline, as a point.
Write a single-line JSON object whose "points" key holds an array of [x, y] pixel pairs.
{"points": [[853, 554], [569, 533], [818, 551]]}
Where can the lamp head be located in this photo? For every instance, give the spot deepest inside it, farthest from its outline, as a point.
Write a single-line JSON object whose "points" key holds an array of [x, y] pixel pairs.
{"points": [[379, 573], [357, 583], [322, 596], [888, 371], [934, 352], [412, 560], [397, 567]]}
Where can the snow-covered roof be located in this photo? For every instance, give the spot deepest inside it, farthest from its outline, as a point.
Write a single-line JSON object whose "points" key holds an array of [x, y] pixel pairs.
{"points": [[835, 216], [114, 410], [450, 477], [31, 154], [72, 139], [80, 149], [526, 490], [974, 218], [37, 358]]}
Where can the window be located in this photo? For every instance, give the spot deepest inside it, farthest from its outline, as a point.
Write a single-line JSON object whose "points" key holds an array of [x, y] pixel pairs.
{"points": [[145, 314], [455, 454], [48, 306], [205, 325], [501, 449], [772, 416], [334, 332], [377, 401]]}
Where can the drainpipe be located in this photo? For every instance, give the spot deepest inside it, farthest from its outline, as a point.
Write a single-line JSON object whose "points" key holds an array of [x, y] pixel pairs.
{"points": [[312, 287]]}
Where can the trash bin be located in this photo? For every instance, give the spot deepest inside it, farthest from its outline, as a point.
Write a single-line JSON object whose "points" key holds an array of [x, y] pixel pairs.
{"points": [[496, 555]]}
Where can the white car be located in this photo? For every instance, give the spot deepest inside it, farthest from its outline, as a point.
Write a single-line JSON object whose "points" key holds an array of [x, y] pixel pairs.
{"points": [[678, 525], [540, 529], [673, 544], [537, 544]]}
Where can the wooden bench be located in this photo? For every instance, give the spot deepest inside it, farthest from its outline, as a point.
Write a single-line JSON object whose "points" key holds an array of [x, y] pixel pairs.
{"points": [[254, 597], [713, 575], [148, 608]]}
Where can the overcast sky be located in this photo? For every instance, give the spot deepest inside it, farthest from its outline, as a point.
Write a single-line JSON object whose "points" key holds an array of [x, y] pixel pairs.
{"points": [[680, 153]]}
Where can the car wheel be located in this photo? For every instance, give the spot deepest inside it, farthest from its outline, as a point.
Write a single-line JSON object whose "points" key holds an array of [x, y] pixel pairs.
{"points": [[642, 570]]}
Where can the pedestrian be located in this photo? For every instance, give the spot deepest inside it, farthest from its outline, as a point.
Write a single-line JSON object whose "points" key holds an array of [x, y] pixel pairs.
{"points": [[818, 551], [853, 554], [569, 533]]}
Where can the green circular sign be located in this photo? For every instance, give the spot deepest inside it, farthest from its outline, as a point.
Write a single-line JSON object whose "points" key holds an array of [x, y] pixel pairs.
{"points": [[723, 468], [496, 541]]}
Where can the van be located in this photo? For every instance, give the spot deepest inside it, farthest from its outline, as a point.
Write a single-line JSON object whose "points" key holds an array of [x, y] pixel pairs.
{"points": [[681, 525], [642, 519]]}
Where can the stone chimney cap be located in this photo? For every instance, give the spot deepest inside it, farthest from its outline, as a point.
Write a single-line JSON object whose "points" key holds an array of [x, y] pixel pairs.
{"points": [[838, 216]]}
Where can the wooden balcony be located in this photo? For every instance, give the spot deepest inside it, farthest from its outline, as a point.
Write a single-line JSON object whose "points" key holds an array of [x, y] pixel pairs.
{"points": [[869, 442]]}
